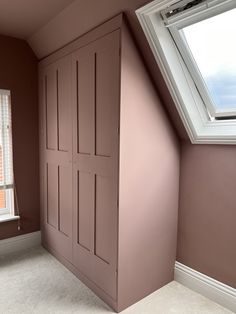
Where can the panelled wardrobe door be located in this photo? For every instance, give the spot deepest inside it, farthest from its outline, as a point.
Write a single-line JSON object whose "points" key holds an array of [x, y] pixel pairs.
{"points": [[96, 75], [56, 158]]}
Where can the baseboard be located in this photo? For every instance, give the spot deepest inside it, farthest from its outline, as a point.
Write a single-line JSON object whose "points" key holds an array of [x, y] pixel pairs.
{"points": [[207, 286], [19, 243]]}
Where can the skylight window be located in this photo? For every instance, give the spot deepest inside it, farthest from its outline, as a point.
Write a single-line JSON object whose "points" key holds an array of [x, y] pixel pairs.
{"points": [[193, 42], [211, 44]]}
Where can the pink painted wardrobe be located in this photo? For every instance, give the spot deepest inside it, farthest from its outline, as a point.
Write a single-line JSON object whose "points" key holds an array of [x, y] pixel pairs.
{"points": [[109, 166]]}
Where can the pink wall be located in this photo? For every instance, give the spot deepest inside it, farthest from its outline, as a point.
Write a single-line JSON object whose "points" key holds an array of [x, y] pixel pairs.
{"points": [[18, 73], [207, 214]]}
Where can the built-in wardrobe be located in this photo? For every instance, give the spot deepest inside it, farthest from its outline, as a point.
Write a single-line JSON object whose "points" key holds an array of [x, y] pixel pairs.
{"points": [[108, 167]]}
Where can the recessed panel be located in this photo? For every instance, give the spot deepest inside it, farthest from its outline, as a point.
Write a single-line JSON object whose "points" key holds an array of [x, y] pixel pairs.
{"points": [[85, 209], [65, 197], [51, 109], [85, 99], [64, 105], [52, 195], [105, 219], [106, 87]]}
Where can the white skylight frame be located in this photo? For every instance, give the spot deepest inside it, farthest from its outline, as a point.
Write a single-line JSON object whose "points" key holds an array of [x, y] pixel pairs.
{"points": [[200, 126], [176, 31]]}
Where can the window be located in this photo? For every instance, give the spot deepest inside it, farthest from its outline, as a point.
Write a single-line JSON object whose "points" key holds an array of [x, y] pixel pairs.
{"points": [[6, 160], [193, 42]]}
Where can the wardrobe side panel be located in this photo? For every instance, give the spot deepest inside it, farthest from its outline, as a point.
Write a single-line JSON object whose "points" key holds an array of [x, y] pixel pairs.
{"points": [[149, 178]]}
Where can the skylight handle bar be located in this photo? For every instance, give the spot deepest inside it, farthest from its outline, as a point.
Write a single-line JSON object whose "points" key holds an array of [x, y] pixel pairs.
{"points": [[188, 9]]}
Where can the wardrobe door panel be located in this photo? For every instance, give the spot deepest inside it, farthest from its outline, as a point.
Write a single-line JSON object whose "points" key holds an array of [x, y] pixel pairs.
{"points": [[51, 108], [95, 70], [64, 115], [105, 88], [52, 195], [85, 209], [56, 157], [105, 219], [85, 71], [64, 189]]}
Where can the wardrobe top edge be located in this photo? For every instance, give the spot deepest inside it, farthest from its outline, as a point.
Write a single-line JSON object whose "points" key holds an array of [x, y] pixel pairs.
{"points": [[92, 35]]}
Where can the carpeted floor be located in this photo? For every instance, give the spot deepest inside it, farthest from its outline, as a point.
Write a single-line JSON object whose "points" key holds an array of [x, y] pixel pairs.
{"points": [[34, 282]]}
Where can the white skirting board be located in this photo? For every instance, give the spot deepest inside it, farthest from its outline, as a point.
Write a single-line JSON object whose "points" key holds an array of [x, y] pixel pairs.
{"points": [[207, 286], [19, 243]]}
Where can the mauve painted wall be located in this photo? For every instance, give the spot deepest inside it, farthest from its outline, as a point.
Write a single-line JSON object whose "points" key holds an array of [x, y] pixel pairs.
{"points": [[81, 16], [18, 73], [207, 214]]}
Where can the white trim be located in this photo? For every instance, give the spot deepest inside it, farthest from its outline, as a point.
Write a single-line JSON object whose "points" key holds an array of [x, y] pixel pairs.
{"points": [[207, 286], [8, 217], [189, 104], [19, 243]]}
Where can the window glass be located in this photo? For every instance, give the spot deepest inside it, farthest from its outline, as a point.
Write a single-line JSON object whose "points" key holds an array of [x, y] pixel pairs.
{"points": [[6, 158], [213, 46]]}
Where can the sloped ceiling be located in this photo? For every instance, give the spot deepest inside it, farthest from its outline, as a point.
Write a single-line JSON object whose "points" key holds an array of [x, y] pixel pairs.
{"points": [[76, 19], [22, 18]]}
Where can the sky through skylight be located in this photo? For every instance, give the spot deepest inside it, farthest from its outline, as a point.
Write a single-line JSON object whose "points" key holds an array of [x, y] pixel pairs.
{"points": [[213, 46]]}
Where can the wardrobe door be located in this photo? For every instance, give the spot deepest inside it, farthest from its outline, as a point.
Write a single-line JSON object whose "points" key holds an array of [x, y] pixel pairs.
{"points": [[56, 156], [96, 76]]}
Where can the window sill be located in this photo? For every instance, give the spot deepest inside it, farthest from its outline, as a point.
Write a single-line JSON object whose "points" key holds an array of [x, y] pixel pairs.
{"points": [[8, 217]]}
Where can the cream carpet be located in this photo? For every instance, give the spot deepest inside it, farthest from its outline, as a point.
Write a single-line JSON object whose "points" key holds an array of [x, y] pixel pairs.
{"points": [[34, 282]]}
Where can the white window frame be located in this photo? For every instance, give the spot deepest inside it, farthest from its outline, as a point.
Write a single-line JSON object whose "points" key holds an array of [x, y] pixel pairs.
{"points": [[200, 126], [9, 189], [9, 209]]}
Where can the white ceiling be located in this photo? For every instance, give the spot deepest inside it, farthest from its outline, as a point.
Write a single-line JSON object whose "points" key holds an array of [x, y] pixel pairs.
{"points": [[22, 18]]}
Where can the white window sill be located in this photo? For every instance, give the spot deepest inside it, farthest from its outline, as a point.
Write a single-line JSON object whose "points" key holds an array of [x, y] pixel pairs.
{"points": [[8, 217]]}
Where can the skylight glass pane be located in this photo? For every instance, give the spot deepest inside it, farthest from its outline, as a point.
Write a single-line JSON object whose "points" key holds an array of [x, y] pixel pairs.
{"points": [[213, 46]]}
